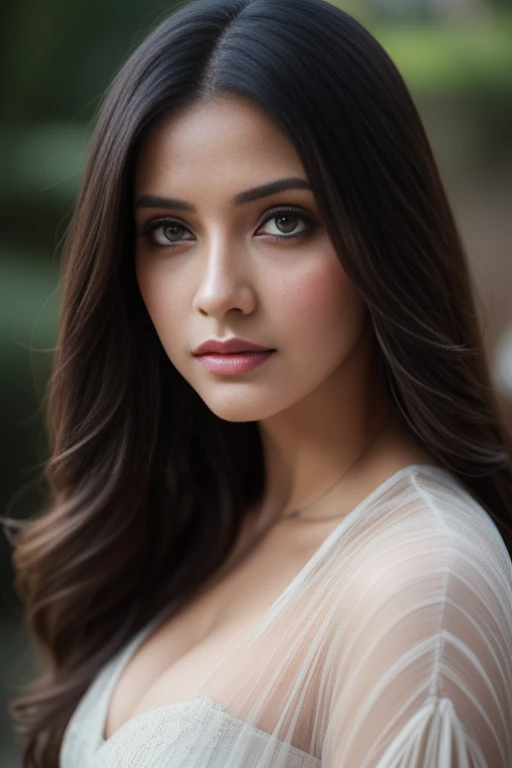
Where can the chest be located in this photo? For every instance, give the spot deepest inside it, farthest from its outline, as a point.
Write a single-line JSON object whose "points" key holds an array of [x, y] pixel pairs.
{"points": [[175, 658]]}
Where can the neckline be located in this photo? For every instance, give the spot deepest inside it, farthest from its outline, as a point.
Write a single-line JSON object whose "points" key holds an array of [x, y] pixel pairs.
{"points": [[330, 539], [328, 542]]}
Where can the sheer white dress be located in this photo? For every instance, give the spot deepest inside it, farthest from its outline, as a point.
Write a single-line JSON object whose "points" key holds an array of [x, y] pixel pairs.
{"points": [[391, 648]]}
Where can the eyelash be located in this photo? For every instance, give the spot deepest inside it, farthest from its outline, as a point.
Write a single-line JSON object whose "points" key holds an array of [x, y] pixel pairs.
{"points": [[154, 224]]}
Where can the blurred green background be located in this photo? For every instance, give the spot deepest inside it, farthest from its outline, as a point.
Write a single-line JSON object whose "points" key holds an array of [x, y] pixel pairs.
{"points": [[58, 59]]}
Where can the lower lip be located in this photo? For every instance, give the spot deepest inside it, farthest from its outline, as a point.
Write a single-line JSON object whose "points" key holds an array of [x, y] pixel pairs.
{"points": [[235, 363]]}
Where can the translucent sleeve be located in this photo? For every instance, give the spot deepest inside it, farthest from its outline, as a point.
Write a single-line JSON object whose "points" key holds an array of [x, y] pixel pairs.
{"points": [[423, 677]]}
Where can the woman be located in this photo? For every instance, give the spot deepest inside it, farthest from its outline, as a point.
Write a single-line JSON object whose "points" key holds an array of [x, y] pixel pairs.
{"points": [[279, 530]]}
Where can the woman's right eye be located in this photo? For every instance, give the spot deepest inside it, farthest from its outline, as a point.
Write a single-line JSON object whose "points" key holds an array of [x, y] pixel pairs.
{"points": [[171, 231]]}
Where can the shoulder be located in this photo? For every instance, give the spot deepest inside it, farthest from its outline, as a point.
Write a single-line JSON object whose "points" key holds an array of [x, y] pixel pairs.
{"points": [[428, 618], [468, 538], [429, 507], [429, 542]]}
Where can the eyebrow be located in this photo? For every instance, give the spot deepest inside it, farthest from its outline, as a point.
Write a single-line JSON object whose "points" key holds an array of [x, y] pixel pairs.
{"points": [[249, 196]]}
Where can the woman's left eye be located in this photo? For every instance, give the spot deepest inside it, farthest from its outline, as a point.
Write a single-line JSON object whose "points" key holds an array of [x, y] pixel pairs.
{"points": [[286, 223]]}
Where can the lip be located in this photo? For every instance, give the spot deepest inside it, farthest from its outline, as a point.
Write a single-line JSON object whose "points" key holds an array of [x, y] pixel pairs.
{"points": [[228, 347], [234, 363]]}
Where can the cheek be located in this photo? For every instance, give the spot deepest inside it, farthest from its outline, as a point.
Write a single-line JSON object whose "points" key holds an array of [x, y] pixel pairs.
{"points": [[163, 309], [324, 308]]}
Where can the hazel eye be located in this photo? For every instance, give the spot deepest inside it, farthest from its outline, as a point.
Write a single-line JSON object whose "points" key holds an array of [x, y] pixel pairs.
{"points": [[286, 223], [170, 232]]}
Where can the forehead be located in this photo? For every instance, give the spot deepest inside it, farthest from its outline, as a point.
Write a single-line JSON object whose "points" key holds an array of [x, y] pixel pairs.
{"points": [[228, 140]]}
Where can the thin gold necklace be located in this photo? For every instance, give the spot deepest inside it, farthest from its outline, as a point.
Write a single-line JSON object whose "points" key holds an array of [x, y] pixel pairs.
{"points": [[298, 512]]}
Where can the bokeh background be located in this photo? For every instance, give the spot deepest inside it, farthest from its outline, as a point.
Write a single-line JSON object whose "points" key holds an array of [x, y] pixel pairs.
{"points": [[58, 59]]}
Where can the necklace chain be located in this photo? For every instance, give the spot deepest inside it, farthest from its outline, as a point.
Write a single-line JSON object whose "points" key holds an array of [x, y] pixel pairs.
{"points": [[298, 512]]}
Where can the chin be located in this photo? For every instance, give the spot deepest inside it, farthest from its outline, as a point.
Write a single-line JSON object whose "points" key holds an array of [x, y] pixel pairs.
{"points": [[242, 409], [239, 413]]}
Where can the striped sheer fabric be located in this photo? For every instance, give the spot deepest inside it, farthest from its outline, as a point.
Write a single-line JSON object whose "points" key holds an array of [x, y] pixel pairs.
{"points": [[392, 648]]}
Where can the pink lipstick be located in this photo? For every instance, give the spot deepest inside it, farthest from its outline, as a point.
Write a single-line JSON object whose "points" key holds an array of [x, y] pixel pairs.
{"points": [[234, 362]]}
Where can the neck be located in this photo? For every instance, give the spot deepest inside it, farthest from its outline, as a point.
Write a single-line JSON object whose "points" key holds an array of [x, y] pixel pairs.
{"points": [[308, 446]]}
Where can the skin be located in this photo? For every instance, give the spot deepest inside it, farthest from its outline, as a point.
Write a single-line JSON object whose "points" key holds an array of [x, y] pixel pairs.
{"points": [[317, 400]]}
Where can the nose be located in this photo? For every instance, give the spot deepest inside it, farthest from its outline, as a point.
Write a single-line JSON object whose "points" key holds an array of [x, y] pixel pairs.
{"points": [[224, 281]]}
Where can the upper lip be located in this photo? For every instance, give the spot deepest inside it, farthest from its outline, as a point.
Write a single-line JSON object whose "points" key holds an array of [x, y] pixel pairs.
{"points": [[229, 345]]}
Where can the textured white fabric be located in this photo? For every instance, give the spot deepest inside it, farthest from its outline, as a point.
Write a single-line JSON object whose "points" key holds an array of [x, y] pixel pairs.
{"points": [[392, 648]]}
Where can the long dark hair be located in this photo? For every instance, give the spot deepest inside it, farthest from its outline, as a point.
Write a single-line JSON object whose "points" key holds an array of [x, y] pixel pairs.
{"points": [[147, 487]]}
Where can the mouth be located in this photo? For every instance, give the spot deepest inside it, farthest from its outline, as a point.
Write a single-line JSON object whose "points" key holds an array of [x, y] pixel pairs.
{"points": [[230, 363]]}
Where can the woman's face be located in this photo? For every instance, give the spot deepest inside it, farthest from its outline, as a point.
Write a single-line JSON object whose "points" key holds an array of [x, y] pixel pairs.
{"points": [[262, 269]]}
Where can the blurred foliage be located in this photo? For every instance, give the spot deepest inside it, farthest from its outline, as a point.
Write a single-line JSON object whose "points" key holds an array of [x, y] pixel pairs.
{"points": [[451, 58]]}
